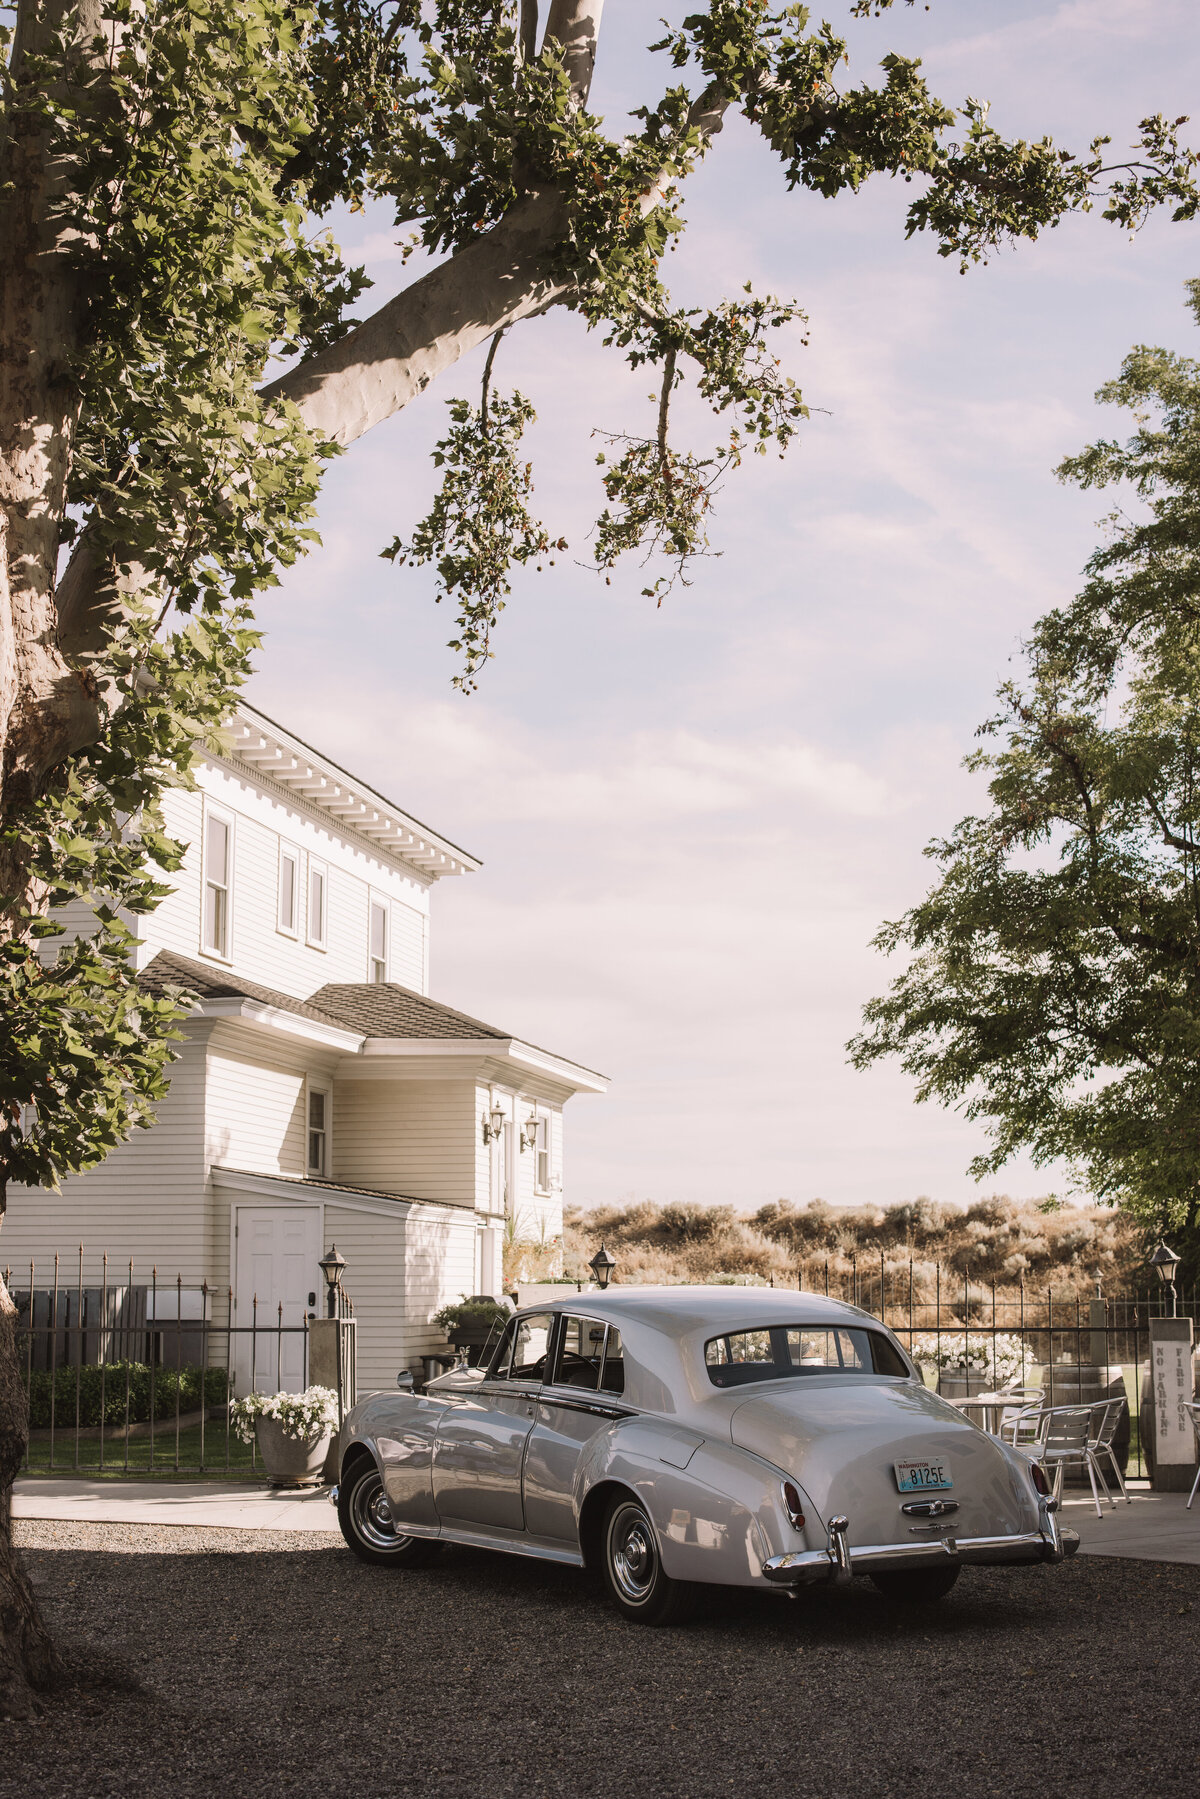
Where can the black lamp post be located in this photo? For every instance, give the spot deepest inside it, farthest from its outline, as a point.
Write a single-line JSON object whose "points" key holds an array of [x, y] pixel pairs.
{"points": [[602, 1265], [1164, 1262], [332, 1267]]}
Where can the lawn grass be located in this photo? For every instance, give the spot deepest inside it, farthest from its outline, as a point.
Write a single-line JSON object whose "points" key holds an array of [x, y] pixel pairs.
{"points": [[145, 1457]]}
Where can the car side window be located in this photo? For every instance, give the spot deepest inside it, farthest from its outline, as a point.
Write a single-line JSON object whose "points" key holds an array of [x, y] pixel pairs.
{"points": [[523, 1351], [580, 1354], [502, 1360], [612, 1374]]}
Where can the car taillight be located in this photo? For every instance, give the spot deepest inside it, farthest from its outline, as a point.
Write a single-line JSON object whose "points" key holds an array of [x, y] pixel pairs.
{"points": [[793, 1504], [1040, 1480]]}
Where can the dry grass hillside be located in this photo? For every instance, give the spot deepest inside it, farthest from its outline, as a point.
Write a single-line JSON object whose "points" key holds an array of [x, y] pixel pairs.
{"points": [[995, 1240]]}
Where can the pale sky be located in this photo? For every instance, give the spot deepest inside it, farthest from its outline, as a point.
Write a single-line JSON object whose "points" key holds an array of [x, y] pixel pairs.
{"points": [[693, 819]]}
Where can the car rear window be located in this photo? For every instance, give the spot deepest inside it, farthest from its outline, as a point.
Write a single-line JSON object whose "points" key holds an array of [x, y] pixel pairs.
{"points": [[781, 1351]]}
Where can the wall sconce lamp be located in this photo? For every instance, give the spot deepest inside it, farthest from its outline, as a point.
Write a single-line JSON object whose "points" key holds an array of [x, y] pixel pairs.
{"points": [[493, 1124], [529, 1132]]}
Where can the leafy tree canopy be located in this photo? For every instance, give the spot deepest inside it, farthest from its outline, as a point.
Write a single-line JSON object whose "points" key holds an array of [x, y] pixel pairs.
{"points": [[164, 170], [1054, 987]]}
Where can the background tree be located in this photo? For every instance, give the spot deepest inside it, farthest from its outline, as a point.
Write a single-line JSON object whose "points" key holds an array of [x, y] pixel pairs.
{"points": [[1054, 987], [162, 168]]}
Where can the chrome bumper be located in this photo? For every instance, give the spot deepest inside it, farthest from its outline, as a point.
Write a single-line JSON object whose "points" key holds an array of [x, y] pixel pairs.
{"points": [[838, 1562]]}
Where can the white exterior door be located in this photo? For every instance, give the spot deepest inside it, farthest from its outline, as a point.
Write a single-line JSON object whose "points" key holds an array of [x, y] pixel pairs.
{"points": [[278, 1256]]}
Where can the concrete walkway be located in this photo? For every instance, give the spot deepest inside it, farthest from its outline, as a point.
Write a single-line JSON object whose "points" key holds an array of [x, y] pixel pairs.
{"points": [[236, 1504], [1155, 1527]]}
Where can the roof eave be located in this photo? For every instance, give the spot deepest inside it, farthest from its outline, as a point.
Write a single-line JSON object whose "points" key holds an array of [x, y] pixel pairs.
{"points": [[509, 1050]]}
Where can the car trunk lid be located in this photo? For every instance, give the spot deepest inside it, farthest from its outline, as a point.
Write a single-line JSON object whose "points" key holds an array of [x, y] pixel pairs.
{"points": [[841, 1438]]}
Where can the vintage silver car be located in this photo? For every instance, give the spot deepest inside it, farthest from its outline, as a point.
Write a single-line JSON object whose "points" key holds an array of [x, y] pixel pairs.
{"points": [[674, 1437]]}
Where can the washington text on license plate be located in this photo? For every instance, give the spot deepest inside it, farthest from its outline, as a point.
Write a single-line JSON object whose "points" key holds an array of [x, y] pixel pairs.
{"points": [[922, 1477]]}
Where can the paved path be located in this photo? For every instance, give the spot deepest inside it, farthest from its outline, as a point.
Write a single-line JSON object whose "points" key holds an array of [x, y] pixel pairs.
{"points": [[233, 1504], [1154, 1528]]}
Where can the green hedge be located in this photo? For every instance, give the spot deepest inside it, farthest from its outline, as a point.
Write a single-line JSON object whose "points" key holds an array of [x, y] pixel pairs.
{"points": [[121, 1383]]}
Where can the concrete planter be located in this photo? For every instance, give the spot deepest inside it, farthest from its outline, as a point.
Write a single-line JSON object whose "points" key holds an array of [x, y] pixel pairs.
{"points": [[287, 1461]]}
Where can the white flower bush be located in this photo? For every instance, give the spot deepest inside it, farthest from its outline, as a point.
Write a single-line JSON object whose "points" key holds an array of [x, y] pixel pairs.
{"points": [[301, 1416], [1005, 1360]]}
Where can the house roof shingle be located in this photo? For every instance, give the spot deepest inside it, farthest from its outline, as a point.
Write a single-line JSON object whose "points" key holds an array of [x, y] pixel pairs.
{"points": [[386, 1010], [169, 970]]}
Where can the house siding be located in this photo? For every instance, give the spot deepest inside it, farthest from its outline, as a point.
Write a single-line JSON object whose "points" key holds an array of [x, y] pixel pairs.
{"points": [[399, 1271], [409, 1137], [144, 1202], [256, 1101], [258, 950]]}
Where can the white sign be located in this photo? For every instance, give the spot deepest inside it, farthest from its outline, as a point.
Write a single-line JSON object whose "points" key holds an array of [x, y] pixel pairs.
{"points": [[1171, 1367]]}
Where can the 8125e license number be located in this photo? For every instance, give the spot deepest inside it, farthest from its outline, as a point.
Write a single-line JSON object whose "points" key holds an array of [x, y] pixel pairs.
{"points": [[922, 1477]]}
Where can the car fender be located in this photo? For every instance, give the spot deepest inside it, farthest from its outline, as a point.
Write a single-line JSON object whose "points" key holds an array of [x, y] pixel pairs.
{"points": [[718, 1511], [399, 1430]]}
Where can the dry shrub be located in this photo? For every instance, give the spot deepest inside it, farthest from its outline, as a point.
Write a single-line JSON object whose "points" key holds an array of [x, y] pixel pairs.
{"points": [[995, 1240]]}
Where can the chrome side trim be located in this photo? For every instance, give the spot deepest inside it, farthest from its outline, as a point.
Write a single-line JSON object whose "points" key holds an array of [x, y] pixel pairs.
{"points": [[517, 1544], [838, 1562], [573, 1402]]}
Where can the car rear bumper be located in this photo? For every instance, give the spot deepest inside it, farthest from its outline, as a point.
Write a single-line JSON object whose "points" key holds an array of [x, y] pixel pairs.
{"points": [[840, 1562]]}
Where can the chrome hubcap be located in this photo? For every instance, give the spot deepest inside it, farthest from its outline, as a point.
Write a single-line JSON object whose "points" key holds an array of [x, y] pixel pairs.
{"points": [[372, 1515], [632, 1554]]}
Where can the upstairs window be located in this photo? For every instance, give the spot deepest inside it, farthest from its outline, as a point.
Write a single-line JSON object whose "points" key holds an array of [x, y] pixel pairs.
{"points": [[318, 891], [541, 1154], [288, 918], [378, 948], [318, 1132], [218, 871]]}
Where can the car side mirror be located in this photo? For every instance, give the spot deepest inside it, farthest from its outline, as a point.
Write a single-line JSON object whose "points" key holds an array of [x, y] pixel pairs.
{"points": [[404, 1380]]}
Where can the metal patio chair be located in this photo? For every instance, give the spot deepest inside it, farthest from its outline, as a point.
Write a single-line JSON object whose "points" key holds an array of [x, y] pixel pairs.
{"points": [[1065, 1434], [1194, 1413], [1106, 1416], [1017, 1402], [1021, 1426]]}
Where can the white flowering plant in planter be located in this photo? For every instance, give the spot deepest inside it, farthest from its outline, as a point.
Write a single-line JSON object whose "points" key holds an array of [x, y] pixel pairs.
{"points": [[1004, 1359], [301, 1416]]}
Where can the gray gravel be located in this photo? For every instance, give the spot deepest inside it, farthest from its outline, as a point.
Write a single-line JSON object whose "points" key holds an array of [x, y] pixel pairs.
{"points": [[246, 1663]]}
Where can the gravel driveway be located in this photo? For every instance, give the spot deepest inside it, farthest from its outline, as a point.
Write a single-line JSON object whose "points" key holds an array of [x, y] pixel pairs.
{"points": [[222, 1662]]}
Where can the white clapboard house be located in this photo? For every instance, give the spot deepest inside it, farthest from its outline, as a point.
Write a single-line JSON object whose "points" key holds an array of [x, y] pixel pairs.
{"points": [[321, 1097]]}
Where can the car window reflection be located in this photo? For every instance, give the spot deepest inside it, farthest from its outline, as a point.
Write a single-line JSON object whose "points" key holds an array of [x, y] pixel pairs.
{"points": [[779, 1351]]}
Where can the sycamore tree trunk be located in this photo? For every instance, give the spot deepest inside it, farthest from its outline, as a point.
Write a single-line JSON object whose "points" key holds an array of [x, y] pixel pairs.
{"points": [[28, 1662]]}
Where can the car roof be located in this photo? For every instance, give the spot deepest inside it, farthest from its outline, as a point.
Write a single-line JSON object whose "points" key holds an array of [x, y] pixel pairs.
{"points": [[681, 1311]]}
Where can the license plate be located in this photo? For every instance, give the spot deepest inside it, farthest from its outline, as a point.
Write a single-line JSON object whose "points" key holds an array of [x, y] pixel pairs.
{"points": [[922, 1477]]}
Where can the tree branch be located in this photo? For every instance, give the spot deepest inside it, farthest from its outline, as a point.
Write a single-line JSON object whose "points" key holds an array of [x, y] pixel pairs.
{"points": [[371, 373], [528, 29], [574, 25]]}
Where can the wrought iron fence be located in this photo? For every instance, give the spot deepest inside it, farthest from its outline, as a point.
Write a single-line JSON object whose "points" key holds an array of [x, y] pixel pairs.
{"points": [[971, 1336], [137, 1377]]}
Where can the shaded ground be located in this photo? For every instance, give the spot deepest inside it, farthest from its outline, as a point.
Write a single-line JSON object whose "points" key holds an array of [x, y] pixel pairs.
{"points": [[247, 1663]]}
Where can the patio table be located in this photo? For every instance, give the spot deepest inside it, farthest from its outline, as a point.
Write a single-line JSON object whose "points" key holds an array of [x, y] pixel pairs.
{"points": [[991, 1408]]}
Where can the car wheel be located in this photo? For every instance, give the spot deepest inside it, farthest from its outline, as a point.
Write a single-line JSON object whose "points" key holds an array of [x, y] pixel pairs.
{"points": [[367, 1524], [922, 1586], [633, 1570]]}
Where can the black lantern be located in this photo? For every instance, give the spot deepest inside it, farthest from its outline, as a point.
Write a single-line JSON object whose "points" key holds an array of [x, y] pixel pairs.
{"points": [[602, 1265], [1164, 1262], [332, 1267]]}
